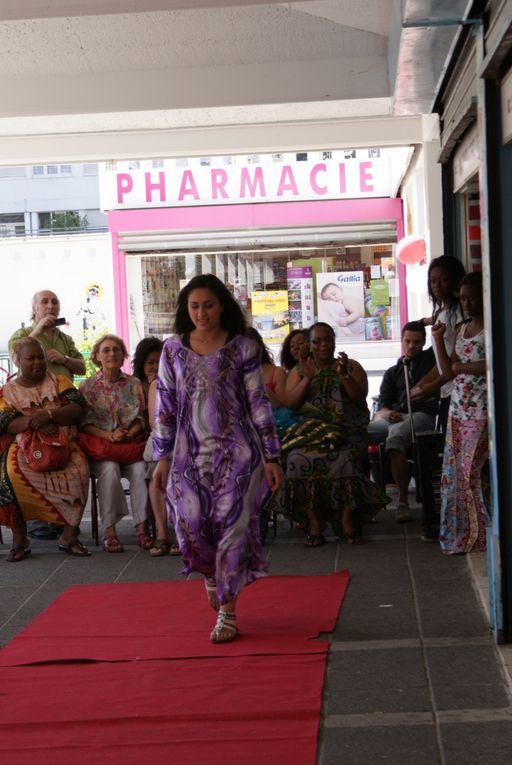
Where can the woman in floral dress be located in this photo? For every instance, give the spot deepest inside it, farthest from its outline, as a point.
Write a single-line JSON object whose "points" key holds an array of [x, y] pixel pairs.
{"points": [[464, 515]]}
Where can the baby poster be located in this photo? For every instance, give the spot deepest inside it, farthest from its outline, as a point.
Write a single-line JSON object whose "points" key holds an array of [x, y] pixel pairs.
{"points": [[340, 297]]}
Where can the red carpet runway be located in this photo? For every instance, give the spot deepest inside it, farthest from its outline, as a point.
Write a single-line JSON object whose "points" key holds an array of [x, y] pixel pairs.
{"points": [[126, 673]]}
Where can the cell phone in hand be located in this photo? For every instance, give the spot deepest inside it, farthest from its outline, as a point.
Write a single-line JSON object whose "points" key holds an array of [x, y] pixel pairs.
{"points": [[59, 322]]}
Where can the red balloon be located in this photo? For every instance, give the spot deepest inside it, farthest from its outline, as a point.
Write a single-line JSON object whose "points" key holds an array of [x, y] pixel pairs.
{"points": [[411, 250]]}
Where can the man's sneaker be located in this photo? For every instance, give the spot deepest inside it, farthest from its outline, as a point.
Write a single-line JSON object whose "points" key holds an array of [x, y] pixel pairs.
{"points": [[402, 514]]}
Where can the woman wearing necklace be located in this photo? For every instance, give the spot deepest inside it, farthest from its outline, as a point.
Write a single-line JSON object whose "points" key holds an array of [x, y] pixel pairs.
{"points": [[41, 402], [464, 506], [216, 444], [325, 479]]}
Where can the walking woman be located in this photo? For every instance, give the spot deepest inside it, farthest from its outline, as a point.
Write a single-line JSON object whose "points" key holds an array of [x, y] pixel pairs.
{"points": [[216, 444], [464, 515]]}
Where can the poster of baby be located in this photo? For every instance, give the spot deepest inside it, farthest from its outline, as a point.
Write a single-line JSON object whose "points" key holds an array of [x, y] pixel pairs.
{"points": [[340, 300]]}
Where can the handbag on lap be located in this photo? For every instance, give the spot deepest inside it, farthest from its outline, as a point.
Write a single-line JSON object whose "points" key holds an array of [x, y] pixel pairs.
{"points": [[43, 452]]}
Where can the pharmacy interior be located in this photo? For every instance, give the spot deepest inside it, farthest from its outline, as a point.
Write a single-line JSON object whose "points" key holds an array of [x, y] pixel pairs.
{"points": [[290, 255]]}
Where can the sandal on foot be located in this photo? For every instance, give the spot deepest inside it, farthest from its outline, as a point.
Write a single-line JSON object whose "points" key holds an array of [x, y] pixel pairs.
{"points": [[175, 549], [402, 513], [159, 548], [144, 541], [225, 629], [211, 593], [112, 545], [353, 538], [76, 548], [315, 540], [16, 553]]}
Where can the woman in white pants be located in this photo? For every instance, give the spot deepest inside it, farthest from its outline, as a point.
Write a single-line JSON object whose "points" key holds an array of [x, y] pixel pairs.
{"points": [[116, 423]]}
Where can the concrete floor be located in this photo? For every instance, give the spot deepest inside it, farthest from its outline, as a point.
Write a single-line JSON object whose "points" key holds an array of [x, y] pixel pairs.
{"points": [[413, 675]]}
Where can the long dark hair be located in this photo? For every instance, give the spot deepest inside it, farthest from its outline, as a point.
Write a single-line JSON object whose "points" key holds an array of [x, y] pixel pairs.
{"points": [[266, 356], [232, 318], [287, 360], [455, 269], [146, 346]]}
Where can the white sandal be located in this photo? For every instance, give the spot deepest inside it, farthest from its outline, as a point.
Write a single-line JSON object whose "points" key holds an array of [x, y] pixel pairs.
{"points": [[211, 591], [226, 622]]}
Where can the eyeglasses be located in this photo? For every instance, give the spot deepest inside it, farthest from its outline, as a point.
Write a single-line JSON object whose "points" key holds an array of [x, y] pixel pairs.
{"points": [[108, 349]]}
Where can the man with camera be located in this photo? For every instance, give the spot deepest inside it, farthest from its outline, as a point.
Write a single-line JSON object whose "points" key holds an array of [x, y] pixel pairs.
{"points": [[62, 355]]}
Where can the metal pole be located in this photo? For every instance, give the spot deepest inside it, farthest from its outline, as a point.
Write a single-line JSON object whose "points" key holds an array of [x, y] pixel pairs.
{"points": [[406, 363]]}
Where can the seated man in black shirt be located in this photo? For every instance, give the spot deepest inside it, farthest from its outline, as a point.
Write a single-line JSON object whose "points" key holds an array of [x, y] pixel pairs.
{"points": [[392, 423]]}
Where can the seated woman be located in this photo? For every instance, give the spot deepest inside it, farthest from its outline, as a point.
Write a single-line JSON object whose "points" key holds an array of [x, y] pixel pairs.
{"points": [[165, 542], [275, 380], [116, 419], [145, 362], [325, 480], [38, 400], [291, 348], [145, 367], [273, 377]]}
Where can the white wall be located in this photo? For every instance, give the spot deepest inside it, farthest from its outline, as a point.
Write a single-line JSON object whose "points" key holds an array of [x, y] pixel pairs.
{"points": [[423, 215], [67, 265], [21, 191]]}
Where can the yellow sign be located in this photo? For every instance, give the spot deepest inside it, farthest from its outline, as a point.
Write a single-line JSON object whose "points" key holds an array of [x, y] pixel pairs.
{"points": [[270, 314]]}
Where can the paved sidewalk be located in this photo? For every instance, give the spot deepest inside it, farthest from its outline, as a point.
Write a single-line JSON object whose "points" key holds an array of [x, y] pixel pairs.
{"points": [[413, 675]]}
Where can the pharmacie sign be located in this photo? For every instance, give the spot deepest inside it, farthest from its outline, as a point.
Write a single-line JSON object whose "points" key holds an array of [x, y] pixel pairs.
{"points": [[239, 180]]}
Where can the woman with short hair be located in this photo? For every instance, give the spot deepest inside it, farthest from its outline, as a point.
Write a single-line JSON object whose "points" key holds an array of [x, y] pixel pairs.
{"points": [[39, 402], [116, 415]]}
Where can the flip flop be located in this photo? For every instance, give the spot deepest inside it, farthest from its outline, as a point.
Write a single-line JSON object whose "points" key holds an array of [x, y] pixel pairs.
{"points": [[76, 548], [315, 540]]}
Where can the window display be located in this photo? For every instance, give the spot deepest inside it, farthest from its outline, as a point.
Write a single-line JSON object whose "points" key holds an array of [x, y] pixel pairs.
{"points": [[354, 289]]}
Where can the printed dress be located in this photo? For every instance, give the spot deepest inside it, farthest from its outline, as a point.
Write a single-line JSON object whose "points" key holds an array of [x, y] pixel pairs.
{"points": [[214, 422], [464, 516], [58, 496], [324, 458]]}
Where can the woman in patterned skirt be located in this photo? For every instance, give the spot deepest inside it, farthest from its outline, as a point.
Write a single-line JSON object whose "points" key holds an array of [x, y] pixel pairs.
{"points": [[464, 515], [216, 444], [325, 453], [39, 401]]}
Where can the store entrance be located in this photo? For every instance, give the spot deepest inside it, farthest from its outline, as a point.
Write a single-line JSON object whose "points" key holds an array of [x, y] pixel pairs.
{"points": [[354, 288]]}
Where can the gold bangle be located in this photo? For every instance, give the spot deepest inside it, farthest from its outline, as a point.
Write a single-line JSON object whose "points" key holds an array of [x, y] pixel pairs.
{"points": [[50, 414]]}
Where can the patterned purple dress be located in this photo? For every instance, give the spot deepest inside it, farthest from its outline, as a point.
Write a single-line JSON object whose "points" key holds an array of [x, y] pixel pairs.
{"points": [[214, 422]]}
